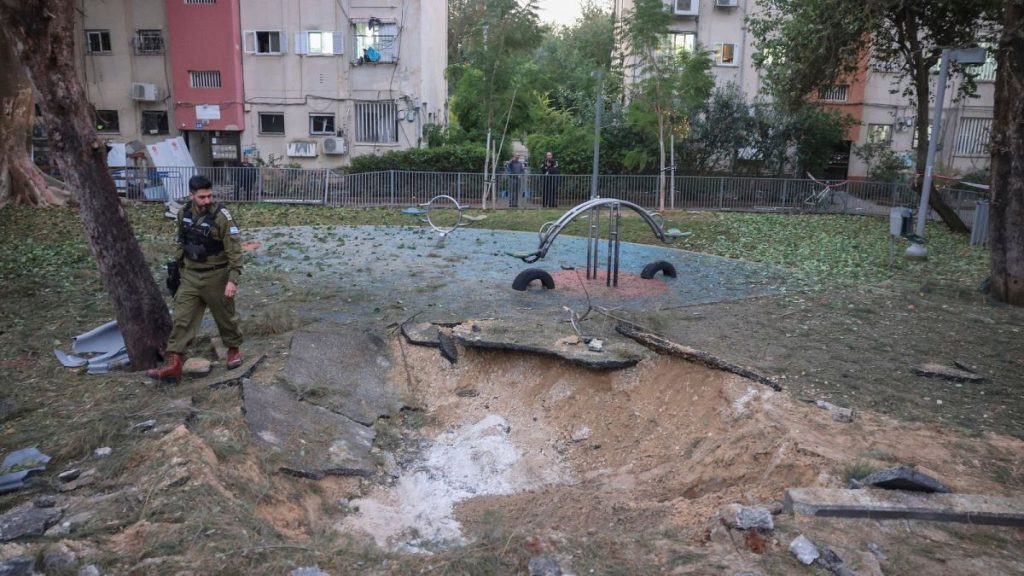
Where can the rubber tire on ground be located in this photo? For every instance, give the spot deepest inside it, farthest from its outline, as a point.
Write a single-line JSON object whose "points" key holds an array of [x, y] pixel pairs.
{"points": [[524, 278], [653, 268]]}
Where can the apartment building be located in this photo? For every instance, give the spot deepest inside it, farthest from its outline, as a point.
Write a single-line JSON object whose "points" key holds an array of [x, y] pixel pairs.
{"points": [[873, 97], [310, 83]]}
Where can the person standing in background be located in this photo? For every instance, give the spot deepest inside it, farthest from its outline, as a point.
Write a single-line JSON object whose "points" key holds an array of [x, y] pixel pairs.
{"points": [[552, 177], [516, 170]]}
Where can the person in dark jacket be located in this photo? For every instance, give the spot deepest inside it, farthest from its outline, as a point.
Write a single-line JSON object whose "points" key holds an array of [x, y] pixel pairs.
{"points": [[552, 180], [516, 174]]}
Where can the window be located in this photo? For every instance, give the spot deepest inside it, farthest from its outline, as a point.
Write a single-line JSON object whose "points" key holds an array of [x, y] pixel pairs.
{"points": [[107, 121], [154, 122], [149, 42], [973, 137], [685, 7], [204, 78], [97, 41], [377, 122], [316, 43], [271, 123], [674, 43], [200, 1], [834, 94], [264, 42], [376, 41], [725, 54], [987, 71], [880, 133], [321, 124]]}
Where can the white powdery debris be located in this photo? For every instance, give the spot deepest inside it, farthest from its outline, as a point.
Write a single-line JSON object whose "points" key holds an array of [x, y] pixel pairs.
{"points": [[739, 405], [477, 460]]}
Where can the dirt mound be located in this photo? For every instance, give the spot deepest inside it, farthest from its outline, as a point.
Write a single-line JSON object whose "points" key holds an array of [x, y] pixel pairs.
{"points": [[662, 446]]}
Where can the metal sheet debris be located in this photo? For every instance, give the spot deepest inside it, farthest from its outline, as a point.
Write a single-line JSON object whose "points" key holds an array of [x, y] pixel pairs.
{"points": [[24, 463], [106, 341]]}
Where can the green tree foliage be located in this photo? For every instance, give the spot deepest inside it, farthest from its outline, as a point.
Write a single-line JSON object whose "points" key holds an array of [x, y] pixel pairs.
{"points": [[495, 38], [806, 45], [670, 87]]}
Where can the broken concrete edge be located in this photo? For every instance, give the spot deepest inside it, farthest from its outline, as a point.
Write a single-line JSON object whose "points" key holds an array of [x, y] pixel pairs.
{"points": [[412, 337], [663, 345], [898, 505], [600, 365], [321, 474], [237, 380]]}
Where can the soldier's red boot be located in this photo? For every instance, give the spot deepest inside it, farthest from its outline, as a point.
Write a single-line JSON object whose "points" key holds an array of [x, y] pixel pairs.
{"points": [[171, 370], [234, 358]]}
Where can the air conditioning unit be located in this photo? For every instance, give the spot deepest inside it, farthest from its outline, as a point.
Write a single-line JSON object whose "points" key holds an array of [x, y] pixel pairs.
{"points": [[334, 146], [145, 92], [726, 3], [685, 7]]}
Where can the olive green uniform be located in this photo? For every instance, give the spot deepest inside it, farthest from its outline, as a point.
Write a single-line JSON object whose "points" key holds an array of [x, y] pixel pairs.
{"points": [[202, 285]]}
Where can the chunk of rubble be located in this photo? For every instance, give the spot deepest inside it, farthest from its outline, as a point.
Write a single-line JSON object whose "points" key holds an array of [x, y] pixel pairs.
{"points": [[950, 373], [18, 566], [197, 367], [904, 478], [838, 413], [546, 337], [347, 370], [449, 351], [804, 550], [315, 441], [421, 334], [746, 518], [544, 566], [27, 520]]}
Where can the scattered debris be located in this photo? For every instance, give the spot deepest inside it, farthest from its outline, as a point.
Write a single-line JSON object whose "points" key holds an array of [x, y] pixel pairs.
{"points": [[102, 452], [449, 351], [144, 426], [947, 373], [904, 478], [580, 434], [804, 550], [888, 504], [308, 571], [838, 413], [665, 346], [18, 566], [467, 393], [18, 466], [106, 341], [544, 566], [595, 345], [746, 518], [422, 334], [59, 559], [69, 475], [27, 520], [831, 561], [197, 367], [876, 551], [75, 479]]}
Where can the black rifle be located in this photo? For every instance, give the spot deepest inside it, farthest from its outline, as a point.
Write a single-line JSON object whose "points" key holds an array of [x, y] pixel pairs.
{"points": [[173, 277]]}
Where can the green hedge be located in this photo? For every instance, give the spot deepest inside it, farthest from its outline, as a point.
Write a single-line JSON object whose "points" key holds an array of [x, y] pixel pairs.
{"points": [[459, 158]]}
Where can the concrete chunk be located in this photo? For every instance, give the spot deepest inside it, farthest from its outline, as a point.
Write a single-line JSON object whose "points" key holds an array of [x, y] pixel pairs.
{"points": [[904, 478], [887, 504]]}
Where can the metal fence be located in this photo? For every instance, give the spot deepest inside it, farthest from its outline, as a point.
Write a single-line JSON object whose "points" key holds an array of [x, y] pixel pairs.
{"points": [[399, 188]]}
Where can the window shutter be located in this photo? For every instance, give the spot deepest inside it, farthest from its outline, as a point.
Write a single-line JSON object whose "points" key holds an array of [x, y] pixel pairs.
{"points": [[339, 48], [249, 41], [301, 43]]}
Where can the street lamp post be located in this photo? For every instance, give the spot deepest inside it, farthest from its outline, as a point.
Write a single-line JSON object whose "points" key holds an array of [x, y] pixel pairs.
{"points": [[965, 56]]}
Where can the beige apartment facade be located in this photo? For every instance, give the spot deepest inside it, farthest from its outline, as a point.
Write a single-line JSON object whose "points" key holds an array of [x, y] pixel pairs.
{"points": [[311, 83], [874, 98]]}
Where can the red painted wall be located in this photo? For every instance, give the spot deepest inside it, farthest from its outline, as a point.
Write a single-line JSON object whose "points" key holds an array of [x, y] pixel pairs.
{"points": [[206, 37]]}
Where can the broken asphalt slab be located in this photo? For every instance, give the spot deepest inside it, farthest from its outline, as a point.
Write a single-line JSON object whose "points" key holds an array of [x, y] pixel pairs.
{"points": [[315, 441], [947, 373], [904, 478], [345, 372], [888, 504], [550, 337]]}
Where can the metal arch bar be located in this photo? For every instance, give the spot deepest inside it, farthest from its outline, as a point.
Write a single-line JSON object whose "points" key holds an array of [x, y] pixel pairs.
{"points": [[551, 230], [427, 207]]}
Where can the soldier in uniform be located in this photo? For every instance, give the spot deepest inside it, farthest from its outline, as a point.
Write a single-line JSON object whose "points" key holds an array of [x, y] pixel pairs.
{"points": [[209, 256]]}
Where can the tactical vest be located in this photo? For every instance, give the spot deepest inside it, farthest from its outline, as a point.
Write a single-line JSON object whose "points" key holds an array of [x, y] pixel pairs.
{"points": [[195, 237]]}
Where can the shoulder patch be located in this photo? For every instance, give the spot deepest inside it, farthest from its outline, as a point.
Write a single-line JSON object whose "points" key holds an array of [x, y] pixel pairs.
{"points": [[226, 213], [233, 230]]}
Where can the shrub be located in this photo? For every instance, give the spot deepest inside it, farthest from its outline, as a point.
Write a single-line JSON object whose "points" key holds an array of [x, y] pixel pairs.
{"points": [[458, 158]]}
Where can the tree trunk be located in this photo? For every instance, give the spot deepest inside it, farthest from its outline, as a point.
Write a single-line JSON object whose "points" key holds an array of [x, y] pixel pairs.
{"points": [[1006, 211], [21, 182], [42, 33]]}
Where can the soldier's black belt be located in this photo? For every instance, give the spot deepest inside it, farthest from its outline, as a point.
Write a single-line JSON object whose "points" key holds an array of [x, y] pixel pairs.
{"points": [[211, 268]]}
